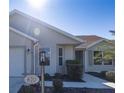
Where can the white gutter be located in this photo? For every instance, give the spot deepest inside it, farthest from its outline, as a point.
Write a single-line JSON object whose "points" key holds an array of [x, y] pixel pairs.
{"points": [[38, 47], [34, 47]]}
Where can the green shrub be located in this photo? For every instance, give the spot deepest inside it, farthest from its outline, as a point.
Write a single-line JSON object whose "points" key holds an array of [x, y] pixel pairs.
{"points": [[72, 62], [110, 75], [74, 69], [57, 85], [26, 89], [46, 76], [58, 75]]}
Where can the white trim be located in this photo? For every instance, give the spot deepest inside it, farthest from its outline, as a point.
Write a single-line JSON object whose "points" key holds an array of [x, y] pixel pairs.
{"points": [[23, 34], [45, 24]]}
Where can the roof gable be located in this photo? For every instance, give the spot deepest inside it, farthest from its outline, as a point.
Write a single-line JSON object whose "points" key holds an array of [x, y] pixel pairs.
{"points": [[46, 25], [91, 40]]}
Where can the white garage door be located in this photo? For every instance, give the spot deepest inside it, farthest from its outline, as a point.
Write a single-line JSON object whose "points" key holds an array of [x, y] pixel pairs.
{"points": [[16, 61]]}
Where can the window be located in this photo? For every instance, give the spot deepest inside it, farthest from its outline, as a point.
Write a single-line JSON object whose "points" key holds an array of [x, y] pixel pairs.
{"points": [[108, 58], [47, 51], [60, 56], [102, 57], [97, 57]]}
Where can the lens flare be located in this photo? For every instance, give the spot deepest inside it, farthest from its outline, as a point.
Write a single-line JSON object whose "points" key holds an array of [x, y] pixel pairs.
{"points": [[37, 3]]}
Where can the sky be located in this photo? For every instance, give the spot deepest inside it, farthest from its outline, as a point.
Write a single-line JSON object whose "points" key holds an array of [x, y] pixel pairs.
{"points": [[78, 17]]}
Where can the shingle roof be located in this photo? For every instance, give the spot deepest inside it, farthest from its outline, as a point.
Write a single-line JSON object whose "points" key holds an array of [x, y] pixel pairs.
{"points": [[89, 39]]}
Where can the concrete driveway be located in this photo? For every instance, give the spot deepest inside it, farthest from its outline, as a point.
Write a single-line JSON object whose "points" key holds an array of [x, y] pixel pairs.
{"points": [[15, 83]]}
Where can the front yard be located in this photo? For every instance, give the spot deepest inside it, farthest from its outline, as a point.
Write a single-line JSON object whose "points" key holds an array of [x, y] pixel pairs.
{"points": [[92, 85]]}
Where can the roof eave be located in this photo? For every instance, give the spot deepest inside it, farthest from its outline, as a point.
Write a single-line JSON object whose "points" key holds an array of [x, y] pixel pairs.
{"points": [[23, 34]]}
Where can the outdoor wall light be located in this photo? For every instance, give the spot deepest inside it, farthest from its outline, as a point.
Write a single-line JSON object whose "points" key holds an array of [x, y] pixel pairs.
{"points": [[29, 50]]}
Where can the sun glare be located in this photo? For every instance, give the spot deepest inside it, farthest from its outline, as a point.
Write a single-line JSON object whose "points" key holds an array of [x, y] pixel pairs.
{"points": [[37, 3]]}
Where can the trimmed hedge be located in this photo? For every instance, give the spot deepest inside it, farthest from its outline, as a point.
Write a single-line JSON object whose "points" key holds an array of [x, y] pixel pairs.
{"points": [[74, 69]]}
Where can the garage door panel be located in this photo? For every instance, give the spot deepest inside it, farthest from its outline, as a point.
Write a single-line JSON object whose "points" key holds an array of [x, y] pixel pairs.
{"points": [[16, 61]]}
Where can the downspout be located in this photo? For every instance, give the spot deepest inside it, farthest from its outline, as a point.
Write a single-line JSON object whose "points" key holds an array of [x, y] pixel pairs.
{"points": [[38, 56], [34, 47]]}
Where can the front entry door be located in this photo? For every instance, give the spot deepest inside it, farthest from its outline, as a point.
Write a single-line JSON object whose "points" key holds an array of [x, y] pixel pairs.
{"points": [[79, 55]]}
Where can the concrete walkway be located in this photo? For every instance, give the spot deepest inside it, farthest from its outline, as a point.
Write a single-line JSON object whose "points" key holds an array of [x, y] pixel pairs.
{"points": [[90, 82], [95, 80]]}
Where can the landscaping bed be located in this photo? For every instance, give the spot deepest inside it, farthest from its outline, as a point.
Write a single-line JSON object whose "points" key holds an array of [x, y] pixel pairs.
{"points": [[63, 78], [70, 90], [99, 75]]}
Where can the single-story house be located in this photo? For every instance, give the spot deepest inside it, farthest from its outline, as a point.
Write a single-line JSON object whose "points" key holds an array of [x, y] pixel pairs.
{"points": [[28, 36], [93, 51]]}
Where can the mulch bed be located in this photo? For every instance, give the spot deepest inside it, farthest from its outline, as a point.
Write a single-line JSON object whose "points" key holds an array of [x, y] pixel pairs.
{"points": [[96, 74], [63, 78], [72, 90]]}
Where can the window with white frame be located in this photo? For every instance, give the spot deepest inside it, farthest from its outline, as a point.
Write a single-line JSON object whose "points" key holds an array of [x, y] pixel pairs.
{"points": [[60, 56], [102, 58]]}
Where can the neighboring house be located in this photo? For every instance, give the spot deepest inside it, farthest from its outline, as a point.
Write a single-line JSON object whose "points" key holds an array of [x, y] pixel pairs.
{"points": [[93, 51], [28, 36]]}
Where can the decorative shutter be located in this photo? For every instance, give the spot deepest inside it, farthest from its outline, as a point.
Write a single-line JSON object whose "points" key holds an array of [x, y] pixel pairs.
{"points": [[90, 57]]}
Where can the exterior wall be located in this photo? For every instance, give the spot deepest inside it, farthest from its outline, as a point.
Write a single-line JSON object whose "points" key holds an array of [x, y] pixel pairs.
{"points": [[86, 61], [68, 54], [16, 40], [96, 68], [48, 38], [27, 26]]}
